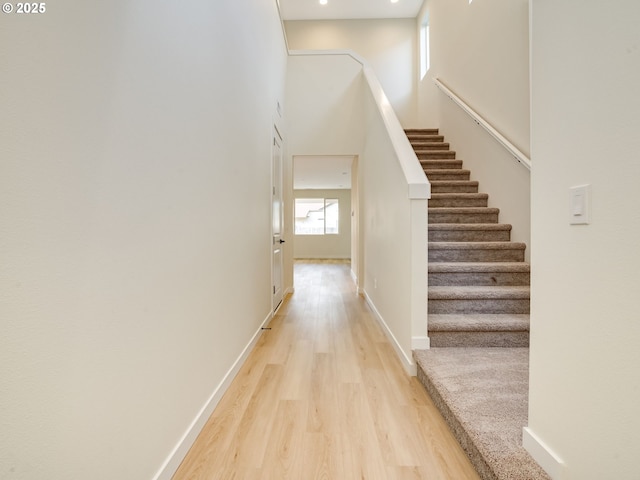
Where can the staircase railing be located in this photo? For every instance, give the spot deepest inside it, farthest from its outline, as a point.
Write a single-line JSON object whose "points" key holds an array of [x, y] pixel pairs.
{"points": [[510, 147]]}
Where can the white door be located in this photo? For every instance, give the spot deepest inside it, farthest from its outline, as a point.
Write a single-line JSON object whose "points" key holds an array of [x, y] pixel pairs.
{"points": [[277, 216]]}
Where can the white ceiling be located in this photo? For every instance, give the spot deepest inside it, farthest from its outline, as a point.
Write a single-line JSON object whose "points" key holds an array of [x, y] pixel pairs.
{"points": [[348, 9], [322, 172]]}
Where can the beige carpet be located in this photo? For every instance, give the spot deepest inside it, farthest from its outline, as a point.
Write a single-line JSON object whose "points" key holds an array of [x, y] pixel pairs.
{"points": [[483, 395]]}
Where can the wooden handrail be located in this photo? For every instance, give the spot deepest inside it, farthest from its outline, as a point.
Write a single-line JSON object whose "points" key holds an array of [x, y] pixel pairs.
{"points": [[510, 147]]}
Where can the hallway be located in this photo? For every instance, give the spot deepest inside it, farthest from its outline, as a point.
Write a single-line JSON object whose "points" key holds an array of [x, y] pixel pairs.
{"points": [[323, 396]]}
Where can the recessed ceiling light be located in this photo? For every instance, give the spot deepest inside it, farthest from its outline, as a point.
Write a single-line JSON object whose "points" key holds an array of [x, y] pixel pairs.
{"points": [[394, 1], [323, 2]]}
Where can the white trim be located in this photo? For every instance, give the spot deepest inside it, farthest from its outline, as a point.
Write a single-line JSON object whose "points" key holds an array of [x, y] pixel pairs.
{"points": [[354, 277], [419, 270], [420, 343], [171, 464], [407, 362], [541, 453], [502, 140]]}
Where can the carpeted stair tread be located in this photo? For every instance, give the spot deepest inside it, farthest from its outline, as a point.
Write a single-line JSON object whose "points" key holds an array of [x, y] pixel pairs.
{"points": [[434, 154], [483, 395], [427, 145], [422, 137], [442, 163], [455, 196], [457, 200], [451, 186], [421, 131], [464, 210], [479, 273], [474, 292], [447, 174], [479, 323], [470, 226], [483, 251], [477, 245], [463, 215], [469, 232], [456, 267]]}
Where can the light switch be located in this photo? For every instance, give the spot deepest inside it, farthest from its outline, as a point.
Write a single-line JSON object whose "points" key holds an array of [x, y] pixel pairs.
{"points": [[580, 206]]}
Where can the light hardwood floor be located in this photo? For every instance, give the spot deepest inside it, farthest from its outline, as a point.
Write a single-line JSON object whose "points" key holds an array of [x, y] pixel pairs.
{"points": [[323, 396]]}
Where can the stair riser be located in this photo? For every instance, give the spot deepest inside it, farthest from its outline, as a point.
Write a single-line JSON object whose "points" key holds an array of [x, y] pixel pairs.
{"points": [[417, 139], [469, 236], [476, 255], [441, 164], [459, 202], [494, 305], [461, 188], [435, 155], [461, 175], [426, 145], [479, 339], [421, 131], [436, 217], [480, 278]]}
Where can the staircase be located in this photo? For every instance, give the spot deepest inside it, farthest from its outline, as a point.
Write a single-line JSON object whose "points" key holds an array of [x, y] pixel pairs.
{"points": [[478, 300], [478, 279]]}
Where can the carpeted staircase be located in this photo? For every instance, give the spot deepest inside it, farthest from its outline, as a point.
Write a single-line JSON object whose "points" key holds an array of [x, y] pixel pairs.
{"points": [[478, 300], [478, 280]]}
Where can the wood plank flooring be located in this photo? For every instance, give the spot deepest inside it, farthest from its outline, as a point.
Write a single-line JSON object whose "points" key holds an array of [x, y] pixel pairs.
{"points": [[323, 396]]}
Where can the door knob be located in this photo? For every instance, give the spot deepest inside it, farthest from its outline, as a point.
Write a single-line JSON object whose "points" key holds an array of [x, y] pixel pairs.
{"points": [[281, 241]]}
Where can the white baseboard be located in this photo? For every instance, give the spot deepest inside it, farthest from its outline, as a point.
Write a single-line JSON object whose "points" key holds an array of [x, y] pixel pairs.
{"points": [[354, 277], [420, 343], [407, 362], [541, 453], [173, 461]]}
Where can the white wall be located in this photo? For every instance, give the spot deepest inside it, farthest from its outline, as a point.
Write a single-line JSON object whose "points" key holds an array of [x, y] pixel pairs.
{"points": [[326, 246], [389, 45], [127, 130], [585, 333], [324, 106], [395, 264], [481, 52]]}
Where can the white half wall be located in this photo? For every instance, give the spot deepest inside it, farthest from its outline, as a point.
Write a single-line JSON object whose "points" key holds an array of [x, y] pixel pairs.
{"points": [[388, 45], [128, 131], [585, 328]]}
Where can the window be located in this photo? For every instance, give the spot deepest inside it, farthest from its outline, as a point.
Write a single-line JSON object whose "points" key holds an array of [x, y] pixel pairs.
{"points": [[317, 216], [425, 53]]}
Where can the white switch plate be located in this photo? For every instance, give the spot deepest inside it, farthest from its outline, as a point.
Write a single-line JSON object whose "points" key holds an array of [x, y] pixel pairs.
{"points": [[580, 205]]}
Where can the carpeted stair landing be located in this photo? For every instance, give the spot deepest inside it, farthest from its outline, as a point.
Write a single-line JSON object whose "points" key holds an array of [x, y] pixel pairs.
{"points": [[482, 393], [477, 369]]}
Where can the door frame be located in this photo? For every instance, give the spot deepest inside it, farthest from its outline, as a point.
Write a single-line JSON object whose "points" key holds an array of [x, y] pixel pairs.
{"points": [[277, 241]]}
